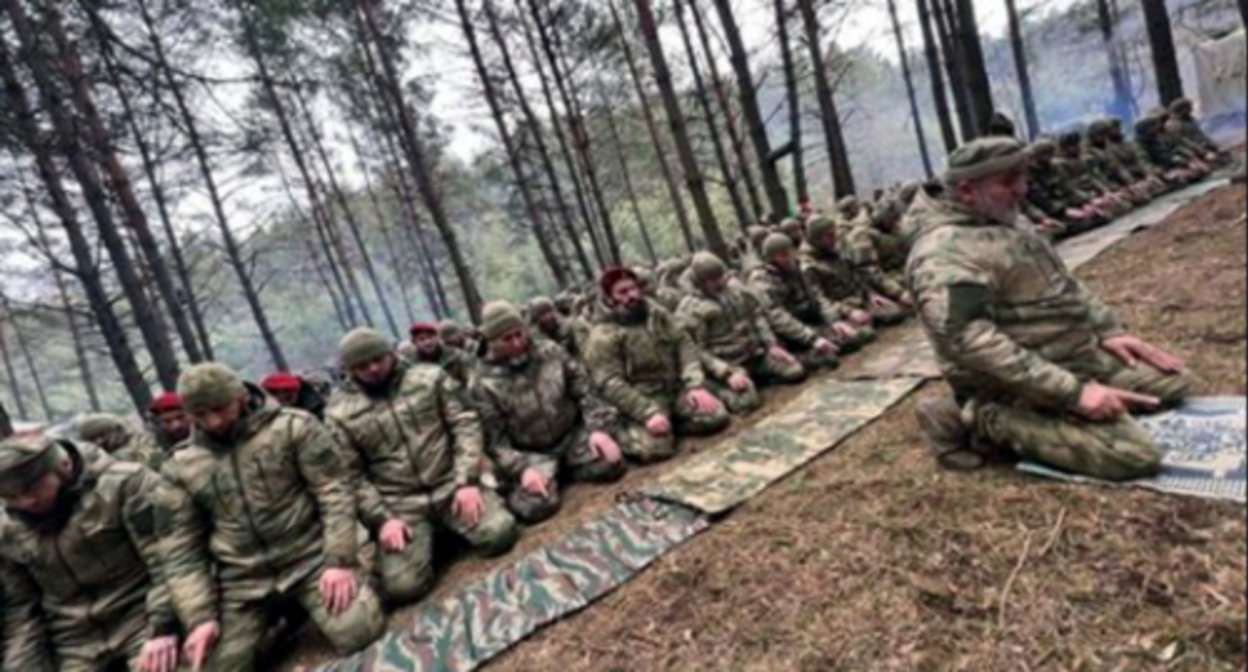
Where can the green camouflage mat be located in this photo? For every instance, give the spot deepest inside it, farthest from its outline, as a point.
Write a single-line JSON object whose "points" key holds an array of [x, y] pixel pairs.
{"points": [[824, 415], [913, 355], [486, 617], [1204, 444]]}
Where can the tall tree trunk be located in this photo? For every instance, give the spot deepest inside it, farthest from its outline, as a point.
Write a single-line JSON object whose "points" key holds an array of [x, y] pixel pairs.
{"points": [[314, 257], [955, 68], [565, 152], [1243, 12], [6, 424], [71, 320], [940, 98], [23, 346], [680, 135], [919, 136], [777, 200], [793, 101], [420, 170], [580, 134], [65, 128], [353, 224], [202, 349], [133, 217], [531, 120], [717, 141], [1124, 106], [628, 182], [737, 140], [15, 390], [1161, 41], [509, 148], [88, 273], [1020, 64], [341, 298], [978, 87], [838, 155], [652, 127], [233, 252]]}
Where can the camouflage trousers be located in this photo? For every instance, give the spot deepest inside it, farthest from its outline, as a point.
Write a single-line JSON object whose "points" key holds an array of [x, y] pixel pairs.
{"points": [[245, 625], [572, 460], [848, 346], [408, 575], [120, 645], [641, 446], [1114, 451], [888, 317]]}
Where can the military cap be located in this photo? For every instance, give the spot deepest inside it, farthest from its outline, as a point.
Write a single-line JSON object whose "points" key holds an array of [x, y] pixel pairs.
{"points": [[612, 276], [167, 401], [1146, 126], [819, 226], [209, 387], [423, 328], [848, 204], [707, 266], [999, 125], [792, 228], [449, 329], [757, 234], [984, 157], [498, 318], [281, 382], [1043, 149], [776, 244], [98, 428], [540, 305], [23, 462], [1182, 106], [360, 346]]}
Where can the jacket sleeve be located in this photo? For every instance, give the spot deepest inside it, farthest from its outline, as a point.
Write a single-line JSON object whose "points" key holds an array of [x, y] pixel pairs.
{"points": [[465, 426], [324, 469], [498, 445], [866, 262], [782, 323], [369, 503], [607, 369], [691, 372], [1104, 320], [139, 517], [24, 641], [184, 534], [598, 415], [953, 295], [831, 311]]}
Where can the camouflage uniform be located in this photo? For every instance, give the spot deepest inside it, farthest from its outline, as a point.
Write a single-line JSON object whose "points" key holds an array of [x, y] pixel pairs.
{"points": [[117, 438], [793, 313], [1017, 336], [837, 287], [646, 369], [1134, 160], [414, 443], [1189, 131], [86, 579], [562, 334], [735, 336], [251, 522], [878, 257], [539, 414]]}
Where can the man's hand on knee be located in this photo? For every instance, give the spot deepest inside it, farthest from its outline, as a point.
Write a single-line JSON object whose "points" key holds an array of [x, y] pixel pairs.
{"points": [[1132, 350], [1102, 403]]}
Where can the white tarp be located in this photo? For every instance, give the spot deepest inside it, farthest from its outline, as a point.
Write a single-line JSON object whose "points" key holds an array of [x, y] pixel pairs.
{"points": [[1221, 83]]}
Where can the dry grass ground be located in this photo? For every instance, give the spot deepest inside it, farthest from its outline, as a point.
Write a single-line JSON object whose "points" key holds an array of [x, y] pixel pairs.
{"points": [[873, 559]]}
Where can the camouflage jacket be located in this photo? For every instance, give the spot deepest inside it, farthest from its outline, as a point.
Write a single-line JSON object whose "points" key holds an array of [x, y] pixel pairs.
{"points": [[837, 287], [564, 335], [411, 443], [1052, 192], [1001, 310], [878, 258], [1133, 159], [731, 328], [639, 367], [1078, 175], [1164, 152], [789, 303], [269, 508], [130, 444], [1192, 135], [23, 644], [458, 363], [531, 408], [89, 575], [1107, 165]]}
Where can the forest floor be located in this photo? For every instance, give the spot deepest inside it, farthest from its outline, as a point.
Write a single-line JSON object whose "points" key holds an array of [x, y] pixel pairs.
{"points": [[872, 559]]}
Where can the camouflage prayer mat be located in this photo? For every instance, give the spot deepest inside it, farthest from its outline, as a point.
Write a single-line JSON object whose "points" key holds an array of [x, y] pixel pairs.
{"points": [[491, 614], [1204, 445], [1085, 247], [913, 355], [816, 421]]}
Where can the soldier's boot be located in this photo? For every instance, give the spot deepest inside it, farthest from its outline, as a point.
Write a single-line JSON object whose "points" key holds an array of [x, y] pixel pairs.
{"points": [[644, 448], [738, 403], [532, 509], [949, 436]]}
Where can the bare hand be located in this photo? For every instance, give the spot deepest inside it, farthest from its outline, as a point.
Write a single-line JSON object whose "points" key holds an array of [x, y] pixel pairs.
{"points": [[1132, 351], [781, 355], [200, 643], [1100, 402], [338, 588], [740, 383], [907, 299], [860, 318], [703, 402], [469, 506], [659, 427], [159, 655], [825, 348], [395, 535], [845, 331], [535, 483], [605, 447]]}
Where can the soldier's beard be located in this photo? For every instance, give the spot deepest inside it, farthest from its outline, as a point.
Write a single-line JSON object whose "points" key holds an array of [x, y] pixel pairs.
{"points": [[635, 312], [1000, 212]]}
